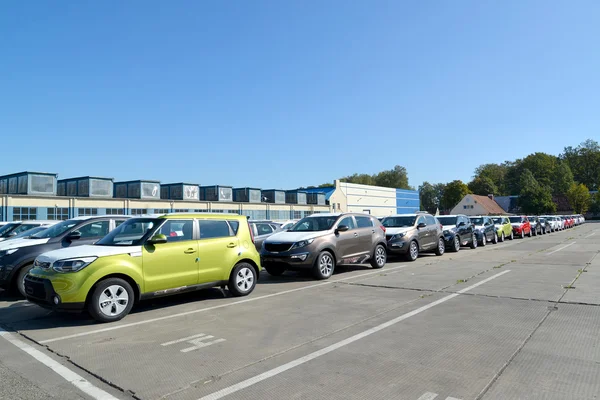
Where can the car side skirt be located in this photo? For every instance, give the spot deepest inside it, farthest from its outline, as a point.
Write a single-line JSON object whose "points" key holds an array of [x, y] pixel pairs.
{"points": [[182, 289]]}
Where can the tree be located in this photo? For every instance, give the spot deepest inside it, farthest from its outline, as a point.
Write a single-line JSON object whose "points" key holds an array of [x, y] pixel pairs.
{"points": [[453, 193], [483, 186], [595, 204], [393, 178], [579, 198], [430, 201], [494, 172], [535, 198], [563, 178], [584, 161], [363, 179]]}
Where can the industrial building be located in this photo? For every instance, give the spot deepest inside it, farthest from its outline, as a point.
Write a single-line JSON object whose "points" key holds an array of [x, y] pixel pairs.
{"points": [[35, 195]]}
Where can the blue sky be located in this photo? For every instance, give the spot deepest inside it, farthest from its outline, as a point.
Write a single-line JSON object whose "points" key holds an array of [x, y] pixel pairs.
{"points": [[292, 93]]}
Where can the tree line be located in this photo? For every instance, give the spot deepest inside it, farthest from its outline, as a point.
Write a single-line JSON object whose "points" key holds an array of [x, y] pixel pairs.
{"points": [[396, 177], [537, 179]]}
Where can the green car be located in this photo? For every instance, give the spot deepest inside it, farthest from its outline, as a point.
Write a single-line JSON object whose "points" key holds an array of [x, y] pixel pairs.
{"points": [[145, 258], [503, 227]]}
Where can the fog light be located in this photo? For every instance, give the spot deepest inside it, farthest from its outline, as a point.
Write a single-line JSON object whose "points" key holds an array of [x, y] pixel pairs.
{"points": [[55, 299], [300, 257]]}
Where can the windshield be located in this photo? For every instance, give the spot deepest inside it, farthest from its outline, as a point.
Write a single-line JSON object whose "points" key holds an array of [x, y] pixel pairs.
{"points": [[132, 232], [477, 221], [55, 230], [22, 228], [497, 220], [30, 232], [515, 219], [399, 222], [447, 220], [6, 229], [314, 224]]}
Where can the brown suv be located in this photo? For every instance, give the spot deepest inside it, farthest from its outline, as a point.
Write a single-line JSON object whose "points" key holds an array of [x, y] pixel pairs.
{"points": [[322, 241]]}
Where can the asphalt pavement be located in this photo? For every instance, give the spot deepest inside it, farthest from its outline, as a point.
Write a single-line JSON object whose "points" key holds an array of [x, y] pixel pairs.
{"points": [[515, 320]]}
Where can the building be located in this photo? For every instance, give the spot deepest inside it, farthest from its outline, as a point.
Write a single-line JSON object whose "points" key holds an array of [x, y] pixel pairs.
{"points": [[375, 200], [473, 204]]}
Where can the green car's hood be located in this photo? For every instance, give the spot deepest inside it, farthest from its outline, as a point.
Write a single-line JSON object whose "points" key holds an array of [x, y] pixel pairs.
{"points": [[89, 251]]}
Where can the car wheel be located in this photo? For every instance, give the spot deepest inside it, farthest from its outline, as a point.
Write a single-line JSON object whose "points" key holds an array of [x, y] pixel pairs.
{"points": [[534, 232], [20, 280], [483, 240], [379, 257], [523, 234], [111, 300], [275, 270], [495, 239], [502, 237], [512, 235], [441, 247], [413, 251], [473, 241], [530, 233], [456, 244], [242, 280], [324, 265]]}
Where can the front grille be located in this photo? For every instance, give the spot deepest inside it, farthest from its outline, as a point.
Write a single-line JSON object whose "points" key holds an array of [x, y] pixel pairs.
{"points": [[35, 287], [277, 247], [388, 237]]}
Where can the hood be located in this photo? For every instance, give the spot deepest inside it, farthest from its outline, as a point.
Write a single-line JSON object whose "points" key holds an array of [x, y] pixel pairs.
{"points": [[516, 223], [88, 251], [293, 237], [18, 243], [395, 231]]}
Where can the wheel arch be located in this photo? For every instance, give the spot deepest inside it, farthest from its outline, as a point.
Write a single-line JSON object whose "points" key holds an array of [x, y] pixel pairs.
{"points": [[248, 261], [137, 292]]}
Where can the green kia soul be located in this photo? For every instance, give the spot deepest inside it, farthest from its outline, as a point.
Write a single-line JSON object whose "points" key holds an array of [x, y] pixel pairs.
{"points": [[144, 258]]}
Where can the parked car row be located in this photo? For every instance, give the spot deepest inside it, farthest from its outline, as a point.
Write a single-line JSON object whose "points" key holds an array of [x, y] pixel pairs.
{"points": [[106, 264]]}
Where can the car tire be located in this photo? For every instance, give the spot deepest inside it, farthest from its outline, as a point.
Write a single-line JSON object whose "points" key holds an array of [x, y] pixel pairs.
{"points": [[20, 279], [483, 240], [379, 257], [502, 238], [242, 280], [102, 305], [441, 247], [275, 270], [473, 241], [512, 235], [456, 244], [530, 233], [534, 233], [495, 239], [413, 251], [324, 265]]}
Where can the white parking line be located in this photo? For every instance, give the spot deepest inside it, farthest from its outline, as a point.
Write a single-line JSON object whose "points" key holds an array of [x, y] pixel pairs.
{"points": [[561, 248], [247, 300], [184, 339], [428, 396], [70, 376], [282, 368], [590, 235]]}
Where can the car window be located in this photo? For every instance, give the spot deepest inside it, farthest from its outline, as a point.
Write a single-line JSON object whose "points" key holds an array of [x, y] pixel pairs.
{"points": [[210, 229], [94, 229], [348, 221], [177, 230], [430, 220], [364, 222], [421, 220], [234, 226], [119, 222], [263, 229]]}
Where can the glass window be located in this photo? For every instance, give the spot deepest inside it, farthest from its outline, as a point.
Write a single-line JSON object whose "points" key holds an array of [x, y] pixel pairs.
{"points": [[138, 211], [42, 183], [130, 232], [24, 213], [348, 221], [94, 229], [178, 230], [12, 185], [234, 226], [447, 220], [161, 210], [115, 211], [314, 224], [71, 188], [364, 222], [58, 213], [399, 222], [263, 229], [421, 220], [100, 187], [22, 184], [182, 210], [477, 220], [210, 229], [297, 214], [431, 220], [56, 230], [515, 219], [83, 212], [83, 187]]}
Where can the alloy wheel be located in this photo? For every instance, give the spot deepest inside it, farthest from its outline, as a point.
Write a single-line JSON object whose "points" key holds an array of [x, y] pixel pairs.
{"points": [[380, 256], [326, 264], [414, 251], [113, 300], [244, 279]]}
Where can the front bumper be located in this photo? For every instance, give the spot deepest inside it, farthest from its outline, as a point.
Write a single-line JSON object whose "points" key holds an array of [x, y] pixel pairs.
{"points": [[398, 246], [288, 259], [41, 292]]}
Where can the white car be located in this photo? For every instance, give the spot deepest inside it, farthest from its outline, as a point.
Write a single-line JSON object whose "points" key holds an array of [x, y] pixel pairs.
{"points": [[287, 224], [15, 228]]}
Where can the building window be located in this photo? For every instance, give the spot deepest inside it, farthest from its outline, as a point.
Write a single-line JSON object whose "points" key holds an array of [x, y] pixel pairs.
{"points": [[200, 210], [161, 211], [297, 214], [115, 211], [138, 211], [24, 213], [181, 210], [85, 212], [58, 213]]}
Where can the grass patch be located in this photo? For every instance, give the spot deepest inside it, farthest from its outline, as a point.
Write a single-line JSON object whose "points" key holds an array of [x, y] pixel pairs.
{"points": [[513, 261], [569, 287], [462, 281]]}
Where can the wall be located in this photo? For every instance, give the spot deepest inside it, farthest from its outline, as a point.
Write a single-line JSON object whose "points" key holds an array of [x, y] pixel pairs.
{"points": [[375, 200], [468, 206]]}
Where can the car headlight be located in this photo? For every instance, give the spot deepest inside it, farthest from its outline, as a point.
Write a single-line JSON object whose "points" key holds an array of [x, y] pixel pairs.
{"points": [[7, 252], [398, 236], [73, 264], [302, 243]]}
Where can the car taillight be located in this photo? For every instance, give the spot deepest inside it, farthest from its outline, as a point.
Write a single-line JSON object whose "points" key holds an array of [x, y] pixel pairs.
{"points": [[382, 228], [251, 233]]}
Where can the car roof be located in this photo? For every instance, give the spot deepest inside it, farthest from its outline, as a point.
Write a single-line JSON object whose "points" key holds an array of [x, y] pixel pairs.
{"points": [[406, 215], [195, 215], [86, 217], [39, 221], [330, 214]]}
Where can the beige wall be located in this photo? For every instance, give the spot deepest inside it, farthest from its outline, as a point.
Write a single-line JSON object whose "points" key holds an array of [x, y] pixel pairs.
{"points": [[352, 197]]}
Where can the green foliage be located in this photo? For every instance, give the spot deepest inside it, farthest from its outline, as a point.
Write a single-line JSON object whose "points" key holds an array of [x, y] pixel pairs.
{"points": [[363, 179], [483, 185], [396, 177], [430, 199], [453, 193], [496, 173], [534, 198], [595, 204], [579, 198], [584, 161], [563, 178]]}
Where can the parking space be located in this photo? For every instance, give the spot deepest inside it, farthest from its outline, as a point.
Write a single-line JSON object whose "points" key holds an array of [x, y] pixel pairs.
{"points": [[465, 325]]}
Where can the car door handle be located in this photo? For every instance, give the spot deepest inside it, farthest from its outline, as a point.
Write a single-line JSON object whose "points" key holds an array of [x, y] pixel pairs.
{"points": [[190, 251], [231, 245]]}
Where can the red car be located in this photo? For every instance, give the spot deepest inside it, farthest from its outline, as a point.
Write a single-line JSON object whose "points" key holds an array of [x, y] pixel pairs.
{"points": [[571, 221], [521, 226]]}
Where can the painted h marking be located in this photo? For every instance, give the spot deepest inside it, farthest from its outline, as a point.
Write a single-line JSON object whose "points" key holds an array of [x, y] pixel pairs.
{"points": [[198, 341]]}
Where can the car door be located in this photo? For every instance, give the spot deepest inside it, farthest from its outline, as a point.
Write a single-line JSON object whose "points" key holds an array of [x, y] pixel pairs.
{"points": [[422, 233], [218, 249], [432, 231], [347, 243], [464, 233], [262, 230], [366, 233], [173, 264], [488, 228]]}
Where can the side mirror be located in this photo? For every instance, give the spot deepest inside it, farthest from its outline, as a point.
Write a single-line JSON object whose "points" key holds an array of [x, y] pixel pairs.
{"points": [[75, 235], [157, 239], [342, 228], [12, 234], [422, 225], [461, 224]]}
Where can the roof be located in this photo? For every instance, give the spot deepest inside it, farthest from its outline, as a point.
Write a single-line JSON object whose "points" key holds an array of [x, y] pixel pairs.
{"points": [[86, 217], [328, 214], [246, 188], [86, 177], [327, 191], [29, 172], [488, 204], [178, 183], [407, 215], [138, 181]]}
